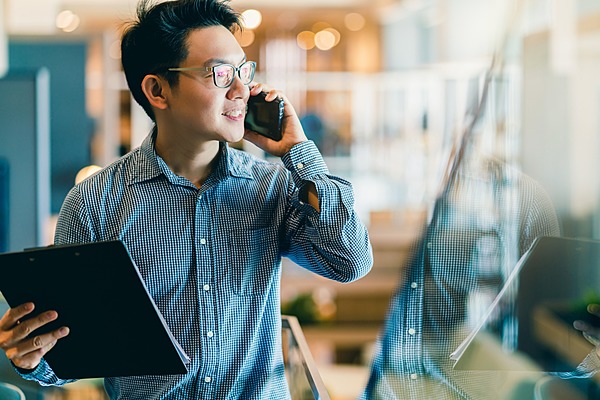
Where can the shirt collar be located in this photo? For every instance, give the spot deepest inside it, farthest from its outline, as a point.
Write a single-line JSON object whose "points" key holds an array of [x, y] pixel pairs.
{"points": [[232, 164], [150, 165]]}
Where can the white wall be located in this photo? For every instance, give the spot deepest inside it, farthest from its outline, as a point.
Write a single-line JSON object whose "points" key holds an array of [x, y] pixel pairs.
{"points": [[561, 135]]}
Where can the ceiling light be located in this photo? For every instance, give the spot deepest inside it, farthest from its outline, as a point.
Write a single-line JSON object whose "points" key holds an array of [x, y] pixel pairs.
{"points": [[246, 38], [336, 34], [67, 21], [324, 40], [306, 40], [354, 21], [251, 19]]}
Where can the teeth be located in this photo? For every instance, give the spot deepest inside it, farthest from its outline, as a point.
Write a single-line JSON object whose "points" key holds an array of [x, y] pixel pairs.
{"points": [[235, 113]]}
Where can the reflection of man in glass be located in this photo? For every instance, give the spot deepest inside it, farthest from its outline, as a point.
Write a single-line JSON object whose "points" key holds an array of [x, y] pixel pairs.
{"points": [[484, 222], [485, 218]]}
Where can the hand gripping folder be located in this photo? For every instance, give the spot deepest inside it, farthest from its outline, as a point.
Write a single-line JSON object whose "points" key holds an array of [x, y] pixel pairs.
{"points": [[115, 327]]}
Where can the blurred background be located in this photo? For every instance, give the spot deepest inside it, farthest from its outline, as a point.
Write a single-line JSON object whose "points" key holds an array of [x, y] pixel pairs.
{"points": [[383, 87]]}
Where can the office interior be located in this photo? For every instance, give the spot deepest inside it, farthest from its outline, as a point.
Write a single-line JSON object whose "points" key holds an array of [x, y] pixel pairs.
{"points": [[398, 95]]}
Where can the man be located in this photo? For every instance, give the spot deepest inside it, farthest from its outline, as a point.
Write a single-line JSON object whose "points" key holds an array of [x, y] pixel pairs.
{"points": [[484, 220], [207, 225]]}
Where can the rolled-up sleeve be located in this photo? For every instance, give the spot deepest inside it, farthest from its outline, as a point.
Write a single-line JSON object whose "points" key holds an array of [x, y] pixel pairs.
{"points": [[332, 242]]}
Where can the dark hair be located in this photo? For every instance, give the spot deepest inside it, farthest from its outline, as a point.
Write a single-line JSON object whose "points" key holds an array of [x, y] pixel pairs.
{"points": [[157, 39]]}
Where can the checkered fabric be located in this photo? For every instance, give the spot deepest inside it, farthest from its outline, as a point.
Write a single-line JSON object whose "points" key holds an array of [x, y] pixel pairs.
{"points": [[487, 219], [211, 259]]}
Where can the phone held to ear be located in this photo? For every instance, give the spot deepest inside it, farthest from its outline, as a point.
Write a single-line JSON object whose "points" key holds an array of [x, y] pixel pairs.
{"points": [[265, 117]]}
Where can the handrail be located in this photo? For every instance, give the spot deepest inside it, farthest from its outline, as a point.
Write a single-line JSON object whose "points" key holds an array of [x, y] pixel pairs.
{"points": [[310, 368], [10, 391]]}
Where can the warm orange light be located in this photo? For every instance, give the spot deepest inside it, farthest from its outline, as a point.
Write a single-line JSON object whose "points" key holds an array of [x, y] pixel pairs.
{"points": [[251, 18], [336, 34], [354, 21], [67, 21], [306, 40], [324, 40], [246, 38]]}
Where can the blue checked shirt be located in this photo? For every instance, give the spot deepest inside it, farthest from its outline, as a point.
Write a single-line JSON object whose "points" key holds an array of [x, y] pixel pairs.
{"points": [[479, 229], [211, 259]]}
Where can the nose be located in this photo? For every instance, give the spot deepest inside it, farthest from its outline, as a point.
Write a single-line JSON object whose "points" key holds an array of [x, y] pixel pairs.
{"points": [[237, 88]]}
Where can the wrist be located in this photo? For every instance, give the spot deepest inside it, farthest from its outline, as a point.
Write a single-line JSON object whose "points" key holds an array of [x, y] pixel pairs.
{"points": [[289, 147]]}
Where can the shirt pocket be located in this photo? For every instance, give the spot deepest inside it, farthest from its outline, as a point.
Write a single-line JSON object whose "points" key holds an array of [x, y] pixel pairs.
{"points": [[253, 260]]}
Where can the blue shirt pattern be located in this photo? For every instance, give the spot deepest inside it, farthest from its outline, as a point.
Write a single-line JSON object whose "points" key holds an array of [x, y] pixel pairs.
{"points": [[211, 258], [479, 229]]}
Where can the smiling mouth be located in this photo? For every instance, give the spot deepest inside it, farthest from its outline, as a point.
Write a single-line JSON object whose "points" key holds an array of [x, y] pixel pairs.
{"points": [[234, 113]]}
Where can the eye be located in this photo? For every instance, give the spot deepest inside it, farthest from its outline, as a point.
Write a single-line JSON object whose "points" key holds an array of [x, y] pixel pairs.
{"points": [[222, 72]]}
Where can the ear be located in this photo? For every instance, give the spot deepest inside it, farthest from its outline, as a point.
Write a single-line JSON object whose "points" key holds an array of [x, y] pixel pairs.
{"points": [[154, 88]]}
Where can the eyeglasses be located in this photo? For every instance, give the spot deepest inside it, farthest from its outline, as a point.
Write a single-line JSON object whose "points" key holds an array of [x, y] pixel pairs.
{"points": [[223, 74]]}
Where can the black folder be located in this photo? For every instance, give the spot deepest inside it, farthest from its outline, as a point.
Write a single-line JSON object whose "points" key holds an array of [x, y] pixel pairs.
{"points": [[115, 327]]}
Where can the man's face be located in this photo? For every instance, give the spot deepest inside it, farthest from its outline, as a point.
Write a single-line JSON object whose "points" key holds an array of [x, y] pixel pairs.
{"points": [[199, 108]]}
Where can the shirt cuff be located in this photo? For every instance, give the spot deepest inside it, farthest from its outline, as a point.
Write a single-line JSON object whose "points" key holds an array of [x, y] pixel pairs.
{"points": [[305, 162], [42, 373]]}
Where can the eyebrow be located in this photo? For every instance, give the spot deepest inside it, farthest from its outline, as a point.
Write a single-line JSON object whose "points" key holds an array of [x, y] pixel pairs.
{"points": [[216, 61]]}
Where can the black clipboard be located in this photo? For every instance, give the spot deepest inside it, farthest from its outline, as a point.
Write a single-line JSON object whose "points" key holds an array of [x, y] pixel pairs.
{"points": [[115, 327]]}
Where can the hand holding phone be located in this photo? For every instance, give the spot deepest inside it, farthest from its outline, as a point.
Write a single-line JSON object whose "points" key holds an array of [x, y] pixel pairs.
{"points": [[265, 117]]}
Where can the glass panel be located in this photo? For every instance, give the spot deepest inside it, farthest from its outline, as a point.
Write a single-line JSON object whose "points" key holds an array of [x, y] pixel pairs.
{"points": [[304, 380], [495, 296]]}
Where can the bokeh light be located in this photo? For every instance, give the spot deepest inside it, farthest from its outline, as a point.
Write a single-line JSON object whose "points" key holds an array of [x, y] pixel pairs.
{"points": [[246, 38], [336, 34], [354, 21], [67, 21], [324, 40], [251, 18], [306, 40]]}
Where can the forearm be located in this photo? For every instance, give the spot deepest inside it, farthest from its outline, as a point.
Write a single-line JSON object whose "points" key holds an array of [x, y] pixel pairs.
{"points": [[328, 239], [344, 258]]}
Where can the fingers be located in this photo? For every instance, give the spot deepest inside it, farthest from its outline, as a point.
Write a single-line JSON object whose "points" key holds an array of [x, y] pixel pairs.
{"points": [[257, 139], [272, 94], [24, 329], [13, 315], [593, 339], [581, 325], [256, 89], [25, 351], [293, 132], [589, 331], [28, 353], [594, 309]]}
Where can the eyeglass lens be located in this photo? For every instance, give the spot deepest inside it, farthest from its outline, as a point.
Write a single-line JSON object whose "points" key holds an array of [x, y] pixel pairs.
{"points": [[224, 73]]}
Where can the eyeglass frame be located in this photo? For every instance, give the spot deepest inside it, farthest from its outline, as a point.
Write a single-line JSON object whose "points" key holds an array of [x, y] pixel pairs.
{"points": [[236, 71]]}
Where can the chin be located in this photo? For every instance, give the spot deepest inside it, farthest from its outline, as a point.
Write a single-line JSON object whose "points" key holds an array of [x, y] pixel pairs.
{"points": [[234, 137]]}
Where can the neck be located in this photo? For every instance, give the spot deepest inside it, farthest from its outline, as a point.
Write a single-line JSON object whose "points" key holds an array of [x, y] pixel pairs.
{"points": [[189, 160]]}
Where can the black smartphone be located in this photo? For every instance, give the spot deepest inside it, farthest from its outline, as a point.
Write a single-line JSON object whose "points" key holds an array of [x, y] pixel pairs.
{"points": [[265, 117]]}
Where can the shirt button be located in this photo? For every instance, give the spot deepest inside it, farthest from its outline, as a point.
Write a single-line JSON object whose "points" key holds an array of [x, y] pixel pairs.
{"points": [[206, 288], [299, 165], [202, 241], [210, 334], [414, 285], [413, 377], [207, 379], [411, 331]]}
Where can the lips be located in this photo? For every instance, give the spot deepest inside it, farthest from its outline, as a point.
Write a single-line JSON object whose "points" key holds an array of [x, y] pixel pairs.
{"points": [[235, 114]]}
